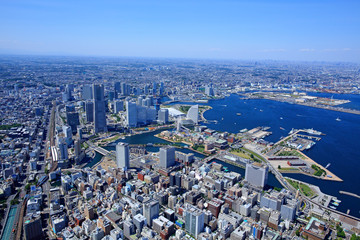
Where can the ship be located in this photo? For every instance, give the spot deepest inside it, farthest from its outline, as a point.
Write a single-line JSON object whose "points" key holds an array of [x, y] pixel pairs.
{"points": [[310, 145], [282, 128], [328, 165], [243, 130], [239, 114], [338, 119], [281, 118], [261, 110], [312, 131]]}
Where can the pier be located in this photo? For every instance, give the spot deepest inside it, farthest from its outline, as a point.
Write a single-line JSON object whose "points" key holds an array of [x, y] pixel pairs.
{"points": [[349, 193], [309, 137]]}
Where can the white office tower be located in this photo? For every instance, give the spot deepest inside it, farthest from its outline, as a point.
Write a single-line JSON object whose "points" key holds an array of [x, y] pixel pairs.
{"points": [[99, 109], [131, 114], [194, 221], [122, 156], [209, 91], [63, 149], [193, 114], [118, 106], [150, 210], [167, 157], [163, 116], [256, 175]]}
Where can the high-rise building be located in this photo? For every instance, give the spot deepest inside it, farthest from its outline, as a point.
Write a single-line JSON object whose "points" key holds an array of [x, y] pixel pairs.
{"points": [[161, 93], [89, 211], [167, 157], [193, 114], [118, 106], [72, 119], [163, 116], [122, 155], [117, 89], [32, 227], [194, 221], [89, 111], [86, 93], [209, 91], [63, 149], [124, 89], [99, 109], [131, 114], [256, 175], [150, 210], [77, 148], [154, 88]]}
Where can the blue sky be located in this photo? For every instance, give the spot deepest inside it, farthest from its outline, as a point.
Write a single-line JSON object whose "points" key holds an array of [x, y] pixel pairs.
{"points": [[225, 29]]}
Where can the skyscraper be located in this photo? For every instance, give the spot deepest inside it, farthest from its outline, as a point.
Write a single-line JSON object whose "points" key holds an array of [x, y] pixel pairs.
{"points": [[99, 109], [117, 89], [118, 106], [86, 93], [167, 156], [151, 210], [124, 89], [256, 175], [131, 114], [163, 116], [72, 119], [194, 221], [89, 110], [193, 114], [63, 149], [209, 91], [122, 155]]}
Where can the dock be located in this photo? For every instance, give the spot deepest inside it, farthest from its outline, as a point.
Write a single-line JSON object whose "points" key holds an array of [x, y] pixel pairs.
{"points": [[309, 137], [349, 193]]}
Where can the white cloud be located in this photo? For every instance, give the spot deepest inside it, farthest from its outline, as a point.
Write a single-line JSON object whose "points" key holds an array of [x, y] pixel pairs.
{"points": [[307, 50], [274, 50]]}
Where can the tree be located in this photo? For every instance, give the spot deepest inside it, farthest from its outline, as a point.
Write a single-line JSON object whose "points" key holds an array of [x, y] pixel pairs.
{"points": [[354, 237], [27, 187]]}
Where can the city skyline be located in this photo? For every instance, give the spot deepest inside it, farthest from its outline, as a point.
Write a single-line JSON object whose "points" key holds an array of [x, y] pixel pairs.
{"points": [[240, 30]]}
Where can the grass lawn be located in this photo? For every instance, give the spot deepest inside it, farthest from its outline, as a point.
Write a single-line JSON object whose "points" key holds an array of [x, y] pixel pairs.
{"points": [[256, 156], [291, 153], [240, 154], [305, 189]]}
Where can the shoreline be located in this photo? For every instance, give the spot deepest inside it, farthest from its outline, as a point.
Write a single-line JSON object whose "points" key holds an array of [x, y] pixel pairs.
{"points": [[331, 108]]}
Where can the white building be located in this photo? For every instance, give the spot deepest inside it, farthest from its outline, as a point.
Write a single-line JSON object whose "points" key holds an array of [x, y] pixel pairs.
{"points": [[122, 155]]}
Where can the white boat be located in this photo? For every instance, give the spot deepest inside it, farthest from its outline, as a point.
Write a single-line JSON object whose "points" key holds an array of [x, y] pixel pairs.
{"points": [[332, 207], [281, 118], [328, 165], [338, 119]]}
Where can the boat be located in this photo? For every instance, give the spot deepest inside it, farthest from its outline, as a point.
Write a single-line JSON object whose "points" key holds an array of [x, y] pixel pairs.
{"points": [[239, 114], [337, 200], [261, 110], [328, 165], [282, 128], [281, 118], [335, 204], [332, 207], [338, 119], [222, 118]]}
